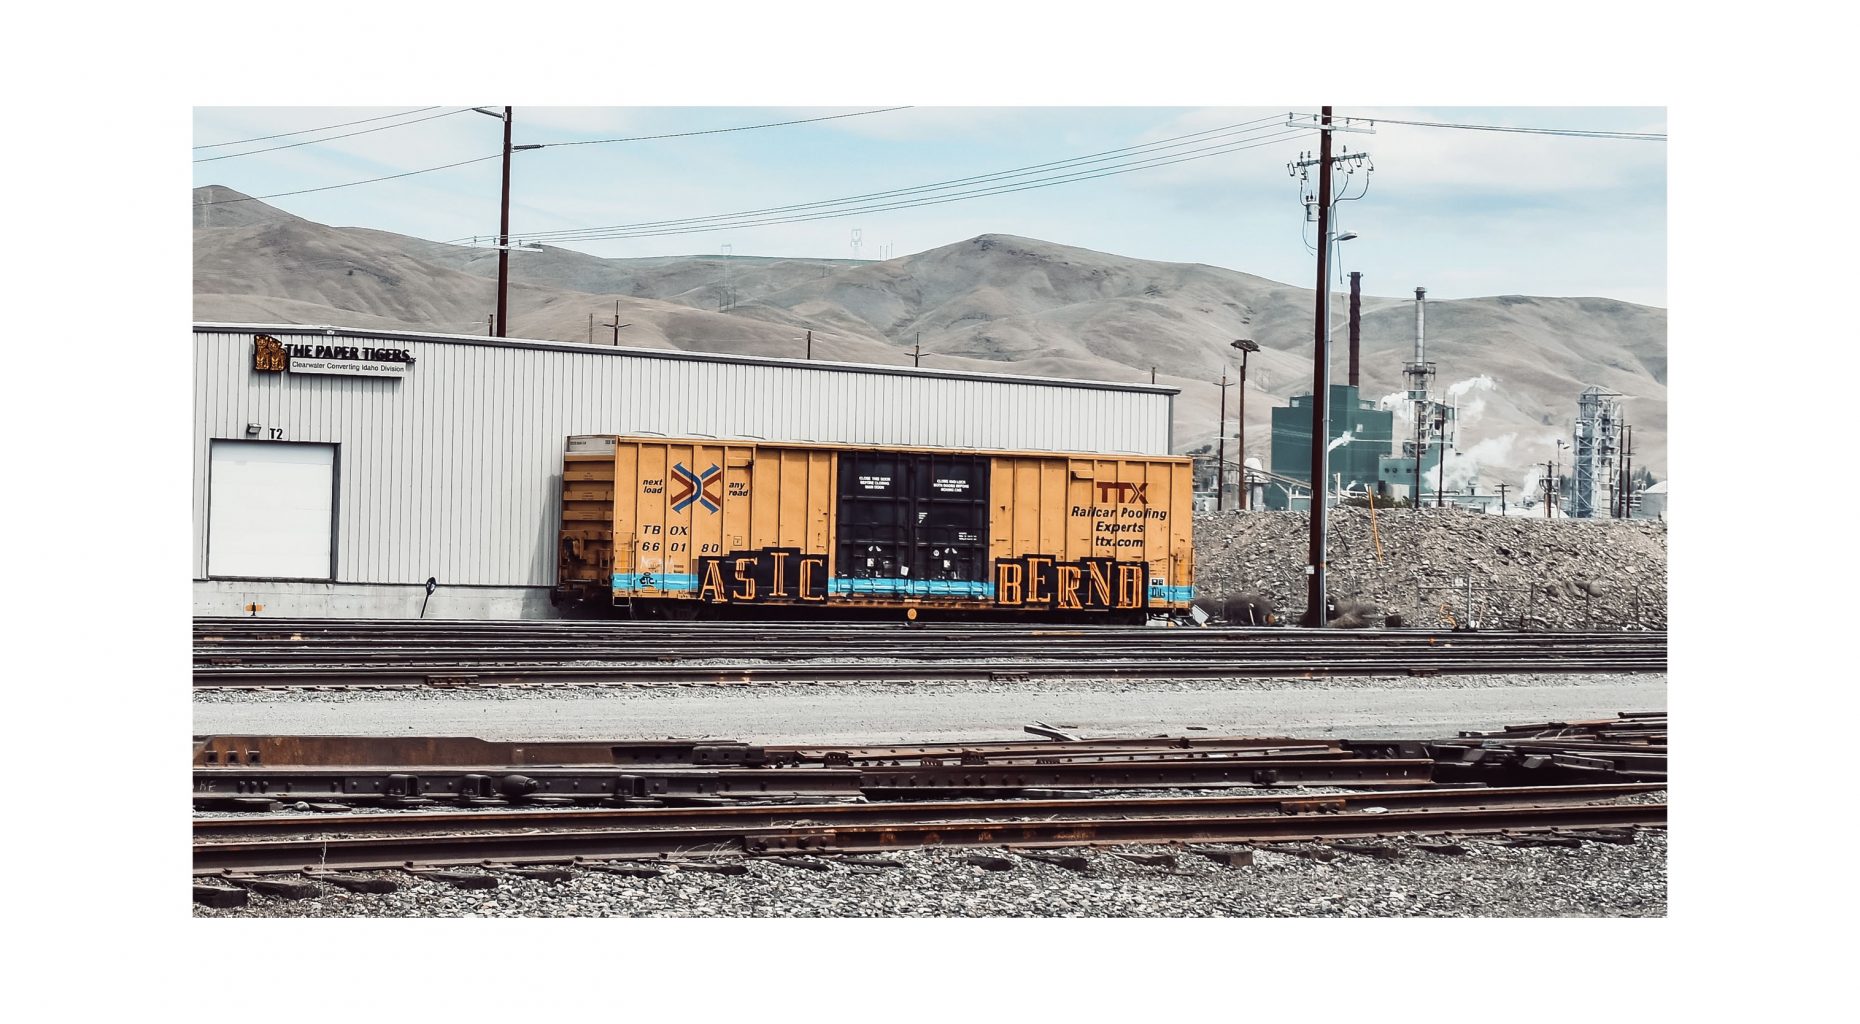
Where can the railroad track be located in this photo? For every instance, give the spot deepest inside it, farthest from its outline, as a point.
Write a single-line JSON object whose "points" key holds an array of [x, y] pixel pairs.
{"points": [[323, 826], [1084, 823], [361, 654], [684, 799]]}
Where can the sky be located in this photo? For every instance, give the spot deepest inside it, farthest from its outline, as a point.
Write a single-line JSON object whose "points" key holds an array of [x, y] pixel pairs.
{"points": [[1463, 212]]}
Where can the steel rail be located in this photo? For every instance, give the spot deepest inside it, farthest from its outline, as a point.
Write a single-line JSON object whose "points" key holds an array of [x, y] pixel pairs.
{"points": [[631, 654], [585, 846], [674, 674], [764, 815], [216, 785], [380, 751], [384, 638]]}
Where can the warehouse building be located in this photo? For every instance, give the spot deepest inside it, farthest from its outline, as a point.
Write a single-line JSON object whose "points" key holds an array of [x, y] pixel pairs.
{"points": [[337, 471]]}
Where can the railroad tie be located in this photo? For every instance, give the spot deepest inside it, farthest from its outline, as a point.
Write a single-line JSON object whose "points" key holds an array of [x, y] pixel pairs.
{"points": [[627, 870], [1069, 861], [356, 883], [538, 873], [1227, 858], [1149, 860], [220, 896], [1442, 849], [456, 879], [726, 868], [280, 888]]}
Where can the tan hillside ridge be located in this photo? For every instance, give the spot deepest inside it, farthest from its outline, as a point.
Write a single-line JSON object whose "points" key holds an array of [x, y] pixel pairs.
{"points": [[994, 303]]}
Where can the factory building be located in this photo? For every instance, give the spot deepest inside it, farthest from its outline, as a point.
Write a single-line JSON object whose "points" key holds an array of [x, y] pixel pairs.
{"points": [[1363, 456], [1361, 435], [337, 471]]}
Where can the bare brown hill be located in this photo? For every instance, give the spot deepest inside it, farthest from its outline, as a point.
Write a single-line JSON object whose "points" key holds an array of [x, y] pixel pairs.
{"points": [[995, 302]]}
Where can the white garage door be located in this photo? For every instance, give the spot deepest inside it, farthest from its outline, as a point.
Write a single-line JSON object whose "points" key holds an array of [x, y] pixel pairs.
{"points": [[268, 510]]}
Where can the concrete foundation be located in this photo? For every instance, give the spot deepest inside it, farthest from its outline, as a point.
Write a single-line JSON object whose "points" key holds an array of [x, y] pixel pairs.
{"points": [[369, 601]]}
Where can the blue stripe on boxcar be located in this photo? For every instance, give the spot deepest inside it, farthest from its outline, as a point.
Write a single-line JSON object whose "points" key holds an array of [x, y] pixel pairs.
{"points": [[899, 587], [1172, 593], [669, 583]]}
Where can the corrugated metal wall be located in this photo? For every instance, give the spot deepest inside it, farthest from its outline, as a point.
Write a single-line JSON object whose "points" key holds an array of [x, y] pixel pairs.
{"points": [[454, 471]]}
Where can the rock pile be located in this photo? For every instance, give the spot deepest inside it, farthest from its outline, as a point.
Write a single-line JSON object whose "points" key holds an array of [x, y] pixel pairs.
{"points": [[1444, 568]]}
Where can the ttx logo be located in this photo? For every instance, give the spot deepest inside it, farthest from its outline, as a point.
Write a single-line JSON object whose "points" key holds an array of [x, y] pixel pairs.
{"points": [[1126, 493]]}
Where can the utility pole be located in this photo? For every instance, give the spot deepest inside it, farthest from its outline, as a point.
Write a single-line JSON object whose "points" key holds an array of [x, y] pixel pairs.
{"points": [[616, 325], [1317, 605], [1246, 347], [503, 236], [1440, 479], [1356, 324], [1501, 497], [1618, 487], [1627, 468], [1549, 484], [1220, 457], [1558, 466], [810, 344], [1420, 445], [503, 224], [917, 354]]}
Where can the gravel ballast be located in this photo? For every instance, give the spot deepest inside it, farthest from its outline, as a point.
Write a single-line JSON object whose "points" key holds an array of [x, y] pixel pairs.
{"points": [[1562, 574], [1488, 879]]}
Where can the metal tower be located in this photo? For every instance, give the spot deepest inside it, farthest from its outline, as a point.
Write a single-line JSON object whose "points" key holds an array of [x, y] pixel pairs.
{"points": [[1418, 371], [1598, 427]]}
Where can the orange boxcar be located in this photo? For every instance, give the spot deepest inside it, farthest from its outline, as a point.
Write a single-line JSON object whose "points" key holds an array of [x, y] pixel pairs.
{"points": [[683, 526]]}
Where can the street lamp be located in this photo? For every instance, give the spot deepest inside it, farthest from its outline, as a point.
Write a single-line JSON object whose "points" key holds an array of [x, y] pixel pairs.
{"points": [[1247, 346]]}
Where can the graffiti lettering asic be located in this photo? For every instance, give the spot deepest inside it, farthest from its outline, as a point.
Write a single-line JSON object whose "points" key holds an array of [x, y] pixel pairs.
{"points": [[1043, 581], [767, 576]]}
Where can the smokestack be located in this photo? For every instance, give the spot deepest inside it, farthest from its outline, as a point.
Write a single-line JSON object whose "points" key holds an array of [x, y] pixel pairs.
{"points": [[1420, 325], [1356, 324]]}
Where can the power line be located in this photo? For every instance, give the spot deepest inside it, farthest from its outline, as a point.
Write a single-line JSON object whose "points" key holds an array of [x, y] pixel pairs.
{"points": [[332, 138], [348, 184], [442, 167], [626, 231], [719, 131], [1577, 133], [1174, 142], [930, 201], [306, 131]]}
